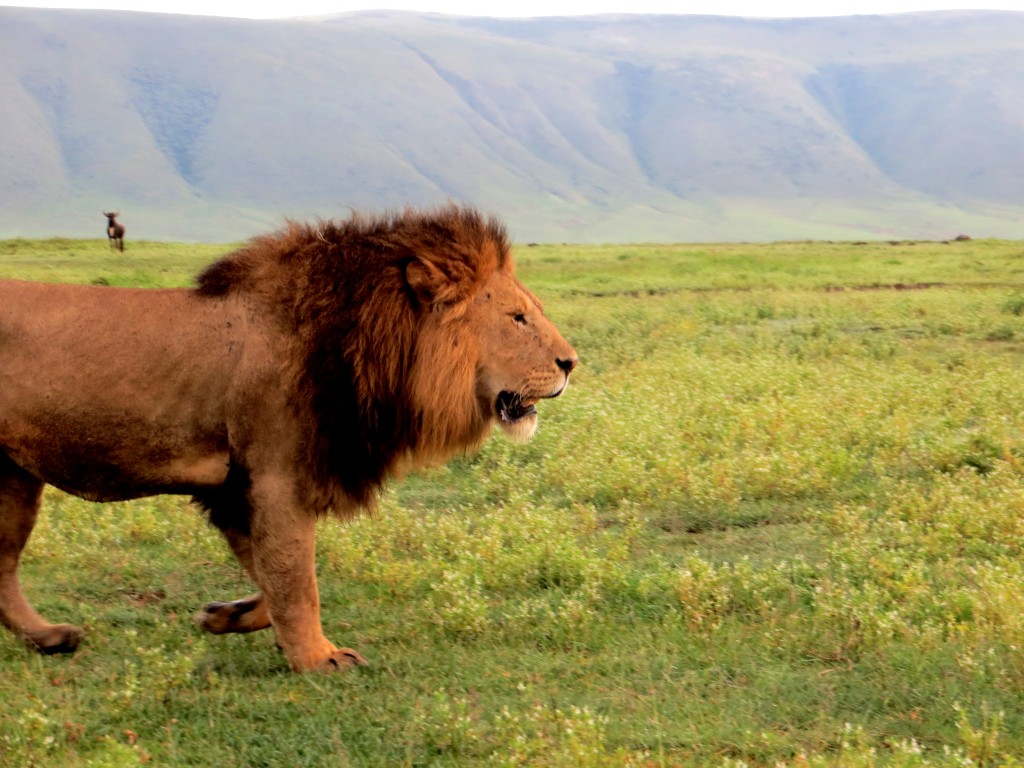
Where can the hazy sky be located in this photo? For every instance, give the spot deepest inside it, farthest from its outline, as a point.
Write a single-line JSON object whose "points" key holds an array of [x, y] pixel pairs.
{"points": [[265, 9]]}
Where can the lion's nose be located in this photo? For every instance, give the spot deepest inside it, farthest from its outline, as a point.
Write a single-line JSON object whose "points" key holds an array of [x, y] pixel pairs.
{"points": [[567, 364]]}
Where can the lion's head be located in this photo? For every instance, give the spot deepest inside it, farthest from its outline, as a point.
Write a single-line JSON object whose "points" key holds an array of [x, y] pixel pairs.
{"points": [[516, 354], [415, 339]]}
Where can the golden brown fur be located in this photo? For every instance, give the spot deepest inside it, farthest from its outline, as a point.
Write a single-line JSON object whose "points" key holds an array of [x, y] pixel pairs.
{"points": [[304, 370]]}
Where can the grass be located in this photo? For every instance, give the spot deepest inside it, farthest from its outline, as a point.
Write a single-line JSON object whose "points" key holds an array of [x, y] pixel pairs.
{"points": [[777, 520]]}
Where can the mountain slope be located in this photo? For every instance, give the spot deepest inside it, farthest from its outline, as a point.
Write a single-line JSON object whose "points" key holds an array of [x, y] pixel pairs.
{"points": [[612, 128]]}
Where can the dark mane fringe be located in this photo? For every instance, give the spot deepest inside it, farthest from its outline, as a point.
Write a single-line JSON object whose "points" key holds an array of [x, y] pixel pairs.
{"points": [[340, 287]]}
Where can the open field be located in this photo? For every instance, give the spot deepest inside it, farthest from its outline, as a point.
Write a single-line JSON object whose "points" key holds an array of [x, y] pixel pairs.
{"points": [[777, 520]]}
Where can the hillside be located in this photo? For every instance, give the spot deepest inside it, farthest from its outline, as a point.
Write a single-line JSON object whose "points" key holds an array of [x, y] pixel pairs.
{"points": [[606, 128]]}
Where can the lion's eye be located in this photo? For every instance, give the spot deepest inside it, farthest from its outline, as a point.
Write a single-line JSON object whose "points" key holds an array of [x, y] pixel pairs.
{"points": [[519, 318]]}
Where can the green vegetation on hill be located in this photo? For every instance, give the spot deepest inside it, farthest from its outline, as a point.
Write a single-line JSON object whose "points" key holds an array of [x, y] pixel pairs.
{"points": [[778, 520]]}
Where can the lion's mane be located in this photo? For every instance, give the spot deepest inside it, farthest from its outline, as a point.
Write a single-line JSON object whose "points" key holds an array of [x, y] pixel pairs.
{"points": [[375, 390]]}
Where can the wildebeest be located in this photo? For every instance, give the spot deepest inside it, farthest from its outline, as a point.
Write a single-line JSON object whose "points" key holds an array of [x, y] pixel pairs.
{"points": [[115, 230]]}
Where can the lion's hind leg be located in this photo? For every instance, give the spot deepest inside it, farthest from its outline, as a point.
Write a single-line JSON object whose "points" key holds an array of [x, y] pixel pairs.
{"points": [[20, 497]]}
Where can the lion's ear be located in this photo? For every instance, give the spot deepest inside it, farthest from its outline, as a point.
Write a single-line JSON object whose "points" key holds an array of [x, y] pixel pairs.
{"points": [[426, 281]]}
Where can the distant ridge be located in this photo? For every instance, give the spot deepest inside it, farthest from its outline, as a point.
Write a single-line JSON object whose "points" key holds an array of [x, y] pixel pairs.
{"points": [[606, 128]]}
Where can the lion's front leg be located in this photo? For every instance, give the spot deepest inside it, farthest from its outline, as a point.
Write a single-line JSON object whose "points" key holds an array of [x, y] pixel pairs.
{"points": [[283, 548], [249, 614]]}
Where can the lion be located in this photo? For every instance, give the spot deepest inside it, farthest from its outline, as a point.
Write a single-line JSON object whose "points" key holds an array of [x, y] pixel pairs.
{"points": [[301, 373]]}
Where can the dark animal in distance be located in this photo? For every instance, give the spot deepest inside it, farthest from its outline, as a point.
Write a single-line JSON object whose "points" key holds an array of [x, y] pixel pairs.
{"points": [[115, 230]]}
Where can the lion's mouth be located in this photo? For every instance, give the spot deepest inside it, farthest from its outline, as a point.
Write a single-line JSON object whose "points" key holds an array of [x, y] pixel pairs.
{"points": [[513, 408]]}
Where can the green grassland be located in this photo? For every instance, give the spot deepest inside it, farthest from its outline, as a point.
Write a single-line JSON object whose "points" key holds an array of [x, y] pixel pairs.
{"points": [[778, 520]]}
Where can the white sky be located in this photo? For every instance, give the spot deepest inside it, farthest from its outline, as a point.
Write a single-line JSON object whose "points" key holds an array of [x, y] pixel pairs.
{"points": [[266, 9]]}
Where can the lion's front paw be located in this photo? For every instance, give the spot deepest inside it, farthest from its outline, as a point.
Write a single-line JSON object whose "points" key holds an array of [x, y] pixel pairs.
{"points": [[246, 615], [344, 659]]}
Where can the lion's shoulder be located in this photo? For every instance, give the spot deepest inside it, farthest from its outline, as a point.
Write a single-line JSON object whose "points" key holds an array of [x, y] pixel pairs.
{"points": [[343, 290], [247, 266]]}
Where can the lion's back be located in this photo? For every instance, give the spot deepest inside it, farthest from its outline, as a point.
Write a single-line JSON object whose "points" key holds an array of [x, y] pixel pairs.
{"points": [[100, 387]]}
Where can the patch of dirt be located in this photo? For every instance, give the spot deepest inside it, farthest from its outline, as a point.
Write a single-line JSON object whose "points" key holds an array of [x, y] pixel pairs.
{"points": [[148, 597], [885, 287]]}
